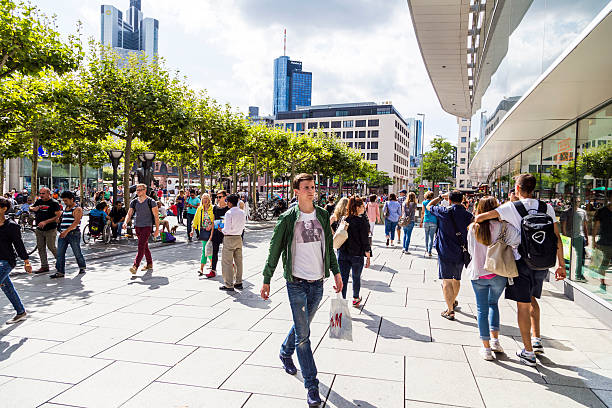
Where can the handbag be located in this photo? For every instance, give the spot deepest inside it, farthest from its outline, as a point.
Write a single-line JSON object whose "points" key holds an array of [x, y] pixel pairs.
{"points": [[500, 258], [467, 258], [208, 249], [341, 234], [203, 234]]}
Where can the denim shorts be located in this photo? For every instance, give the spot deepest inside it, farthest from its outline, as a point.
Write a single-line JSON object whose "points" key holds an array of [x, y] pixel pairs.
{"points": [[449, 270], [529, 283]]}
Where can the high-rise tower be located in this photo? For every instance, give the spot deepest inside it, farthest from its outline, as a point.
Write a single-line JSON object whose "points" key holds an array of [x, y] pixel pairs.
{"points": [[292, 86]]}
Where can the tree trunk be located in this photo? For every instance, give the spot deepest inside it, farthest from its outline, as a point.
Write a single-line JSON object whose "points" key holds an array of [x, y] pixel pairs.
{"points": [[292, 177], [340, 186], [81, 190], [318, 178], [2, 175], [255, 184], [211, 181], [127, 160], [234, 177], [34, 178], [201, 162]]}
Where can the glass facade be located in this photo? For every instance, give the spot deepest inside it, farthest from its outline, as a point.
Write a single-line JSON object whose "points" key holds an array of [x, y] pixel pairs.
{"points": [[56, 175], [292, 86], [574, 171]]}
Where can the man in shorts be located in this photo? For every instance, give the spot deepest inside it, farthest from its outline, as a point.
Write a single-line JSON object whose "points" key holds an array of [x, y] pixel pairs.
{"points": [[527, 287]]}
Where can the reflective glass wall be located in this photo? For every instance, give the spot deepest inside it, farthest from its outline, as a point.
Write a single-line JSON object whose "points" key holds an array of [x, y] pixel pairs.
{"points": [[574, 172]]}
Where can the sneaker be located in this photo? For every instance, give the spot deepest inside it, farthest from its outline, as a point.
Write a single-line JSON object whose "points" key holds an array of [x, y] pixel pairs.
{"points": [[18, 318], [496, 347], [387, 241], [42, 269], [288, 365], [211, 274], [238, 286], [56, 275], [147, 267], [407, 252], [225, 288], [537, 346], [487, 354], [313, 399], [580, 279], [429, 255], [134, 269], [526, 357], [82, 271], [603, 287], [398, 241]]}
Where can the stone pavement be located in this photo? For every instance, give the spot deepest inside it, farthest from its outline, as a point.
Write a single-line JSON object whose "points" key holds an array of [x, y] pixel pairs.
{"points": [[172, 339]]}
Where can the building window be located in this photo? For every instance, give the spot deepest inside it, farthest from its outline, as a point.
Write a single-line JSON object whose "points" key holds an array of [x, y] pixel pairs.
{"points": [[349, 134], [464, 128], [360, 123], [299, 127], [289, 126], [312, 125], [373, 156], [347, 123], [462, 171], [463, 150], [462, 161], [373, 122], [336, 124], [463, 139], [373, 145], [461, 183], [361, 134], [323, 125], [341, 113], [360, 145], [350, 144], [373, 133]]}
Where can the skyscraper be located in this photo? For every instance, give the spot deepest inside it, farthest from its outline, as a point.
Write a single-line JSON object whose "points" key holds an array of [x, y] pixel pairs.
{"points": [[132, 34], [292, 86]]}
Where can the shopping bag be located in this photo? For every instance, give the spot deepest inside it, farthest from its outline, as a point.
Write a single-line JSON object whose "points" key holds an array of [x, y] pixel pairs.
{"points": [[208, 249], [168, 237], [340, 323]]}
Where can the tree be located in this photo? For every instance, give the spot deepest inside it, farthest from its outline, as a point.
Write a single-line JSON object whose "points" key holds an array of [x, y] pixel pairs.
{"points": [[438, 162]]}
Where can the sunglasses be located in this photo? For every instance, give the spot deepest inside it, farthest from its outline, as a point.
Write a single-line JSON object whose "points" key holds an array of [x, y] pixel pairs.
{"points": [[220, 196]]}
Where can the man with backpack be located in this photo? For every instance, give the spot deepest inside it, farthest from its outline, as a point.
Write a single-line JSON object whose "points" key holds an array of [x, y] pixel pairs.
{"points": [[145, 210], [540, 248]]}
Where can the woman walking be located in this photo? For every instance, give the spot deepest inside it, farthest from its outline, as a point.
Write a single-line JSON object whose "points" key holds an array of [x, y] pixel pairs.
{"points": [[203, 222], [180, 206], [409, 210], [373, 213], [357, 245], [429, 223], [392, 211], [339, 213], [487, 286]]}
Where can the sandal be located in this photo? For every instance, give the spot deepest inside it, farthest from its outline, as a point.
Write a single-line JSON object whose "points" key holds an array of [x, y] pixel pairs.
{"points": [[357, 302], [448, 315], [200, 273], [455, 304]]}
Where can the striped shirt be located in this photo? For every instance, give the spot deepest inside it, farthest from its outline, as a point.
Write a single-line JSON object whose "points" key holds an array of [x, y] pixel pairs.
{"points": [[67, 219]]}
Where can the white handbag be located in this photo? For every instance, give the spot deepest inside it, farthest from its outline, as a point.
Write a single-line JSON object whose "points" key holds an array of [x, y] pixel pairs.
{"points": [[341, 234]]}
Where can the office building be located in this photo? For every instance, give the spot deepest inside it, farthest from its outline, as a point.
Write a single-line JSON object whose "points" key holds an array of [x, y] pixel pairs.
{"points": [[415, 130], [129, 33], [292, 86], [378, 132], [462, 164], [255, 118], [541, 69]]}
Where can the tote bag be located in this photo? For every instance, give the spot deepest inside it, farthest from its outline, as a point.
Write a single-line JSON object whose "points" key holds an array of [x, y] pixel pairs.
{"points": [[341, 234], [500, 258], [340, 323]]}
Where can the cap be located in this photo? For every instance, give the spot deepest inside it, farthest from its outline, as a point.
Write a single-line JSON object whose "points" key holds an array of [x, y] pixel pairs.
{"points": [[403, 191]]}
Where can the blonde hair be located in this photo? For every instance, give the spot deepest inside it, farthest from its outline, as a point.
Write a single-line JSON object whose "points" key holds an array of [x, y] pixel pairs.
{"points": [[412, 197], [341, 207], [207, 197], [429, 194]]}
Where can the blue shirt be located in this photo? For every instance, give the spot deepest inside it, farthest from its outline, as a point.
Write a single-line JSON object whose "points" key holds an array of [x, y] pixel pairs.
{"points": [[428, 217], [97, 213], [193, 201], [447, 243], [395, 210]]}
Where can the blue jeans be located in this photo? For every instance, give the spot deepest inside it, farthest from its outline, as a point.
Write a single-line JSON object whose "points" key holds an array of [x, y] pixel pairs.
{"points": [[304, 298], [347, 262], [487, 293], [407, 234], [74, 240], [430, 232], [390, 228], [8, 288]]}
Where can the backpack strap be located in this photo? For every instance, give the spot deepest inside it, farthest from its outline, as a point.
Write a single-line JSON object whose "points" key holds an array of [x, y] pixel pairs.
{"points": [[542, 207], [521, 208]]}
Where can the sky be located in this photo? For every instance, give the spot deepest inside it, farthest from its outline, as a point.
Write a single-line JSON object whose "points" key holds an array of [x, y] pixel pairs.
{"points": [[357, 50]]}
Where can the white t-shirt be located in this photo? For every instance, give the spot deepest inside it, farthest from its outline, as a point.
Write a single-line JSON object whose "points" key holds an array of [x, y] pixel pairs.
{"points": [[308, 244], [508, 212]]}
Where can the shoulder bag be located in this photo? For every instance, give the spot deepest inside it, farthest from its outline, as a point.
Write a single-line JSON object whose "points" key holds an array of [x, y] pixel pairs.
{"points": [[341, 234], [500, 258], [467, 258]]}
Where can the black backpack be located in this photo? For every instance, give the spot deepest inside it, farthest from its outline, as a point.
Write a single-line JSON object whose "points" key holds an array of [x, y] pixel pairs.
{"points": [[538, 239]]}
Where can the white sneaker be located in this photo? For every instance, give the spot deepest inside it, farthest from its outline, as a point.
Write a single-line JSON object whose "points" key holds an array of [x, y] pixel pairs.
{"points": [[487, 354], [496, 347]]}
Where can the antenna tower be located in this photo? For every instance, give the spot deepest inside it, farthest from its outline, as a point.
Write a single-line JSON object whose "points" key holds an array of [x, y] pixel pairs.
{"points": [[285, 43]]}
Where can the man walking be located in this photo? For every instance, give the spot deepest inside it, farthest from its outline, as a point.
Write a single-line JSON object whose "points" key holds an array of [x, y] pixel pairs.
{"points": [[450, 244], [219, 211], [192, 204], [232, 245], [400, 199], [145, 210], [11, 243], [70, 234], [48, 212], [527, 287], [307, 260]]}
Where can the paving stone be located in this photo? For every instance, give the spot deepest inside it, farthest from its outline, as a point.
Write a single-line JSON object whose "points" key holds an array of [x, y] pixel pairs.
{"points": [[360, 364], [238, 319], [425, 378], [93, 342], [55, 367], [267, 353], [84, 314], [46, 330], [414, 313], [147, 352], [414, 348], [164, 395], [14, 349], [605, 396], [111, 386], [171, 330], [205, 367], [603, 360], [505, 366], [363, 340], [396, 328], [121, 320], [422, 404], [148, 305], [283, 326], [349, 392], [23, 393], [204, 299], [520, 394], [270, 401], [240, 340], [200, 312]]}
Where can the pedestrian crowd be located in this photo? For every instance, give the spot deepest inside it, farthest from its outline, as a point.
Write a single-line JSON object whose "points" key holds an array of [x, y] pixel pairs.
{"points": [[499, 247]]}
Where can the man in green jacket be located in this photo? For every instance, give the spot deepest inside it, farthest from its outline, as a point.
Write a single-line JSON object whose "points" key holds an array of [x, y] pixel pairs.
{"points": [[304, 238]]}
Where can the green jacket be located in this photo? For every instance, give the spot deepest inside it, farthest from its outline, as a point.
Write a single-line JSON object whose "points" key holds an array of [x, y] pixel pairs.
{"points": [[282, 242]]}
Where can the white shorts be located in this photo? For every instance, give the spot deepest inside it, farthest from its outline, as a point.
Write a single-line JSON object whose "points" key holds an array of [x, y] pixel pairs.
{"points": [[372, 224]]}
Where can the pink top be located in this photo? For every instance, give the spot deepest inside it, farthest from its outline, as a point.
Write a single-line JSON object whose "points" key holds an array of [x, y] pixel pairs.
{"points": [[373, 212], [489, 276]]}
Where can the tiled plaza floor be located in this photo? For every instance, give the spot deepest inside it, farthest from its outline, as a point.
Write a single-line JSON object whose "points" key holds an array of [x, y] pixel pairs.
{"points": [[172, 339]]}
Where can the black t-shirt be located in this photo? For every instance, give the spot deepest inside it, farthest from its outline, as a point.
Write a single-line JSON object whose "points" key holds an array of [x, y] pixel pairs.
{"points": [[330, 208], [117, 214], [219, 212], [604, 216], [46, 211]]}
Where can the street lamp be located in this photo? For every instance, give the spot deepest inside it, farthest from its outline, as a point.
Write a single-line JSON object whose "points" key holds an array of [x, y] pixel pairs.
{"points": [[146, 158], [421, 190], [115, 155]]}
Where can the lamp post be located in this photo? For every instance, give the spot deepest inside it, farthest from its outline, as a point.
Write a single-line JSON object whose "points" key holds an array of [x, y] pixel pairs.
{"points": [[114, 156], [146, 159], [421, 189]]}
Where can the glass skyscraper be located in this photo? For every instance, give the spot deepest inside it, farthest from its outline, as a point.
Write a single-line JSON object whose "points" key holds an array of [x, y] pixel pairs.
{"points": [[134, 33], [292, 86]]}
